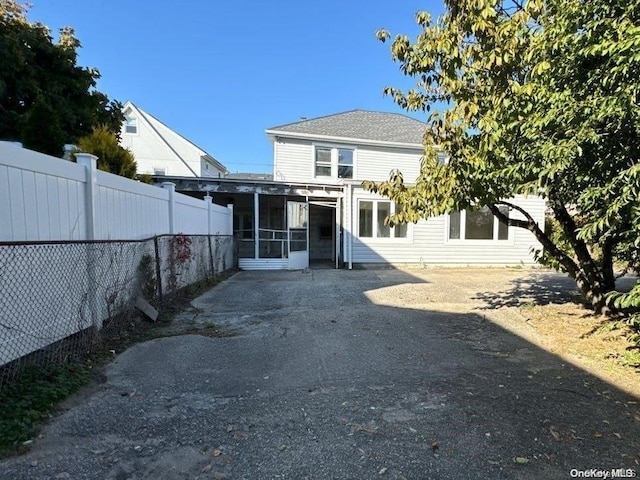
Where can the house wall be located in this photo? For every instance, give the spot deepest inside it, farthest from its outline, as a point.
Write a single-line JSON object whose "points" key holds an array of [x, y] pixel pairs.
{"points": [[427, 241], [152, 152], [47, 198], [207, 169], [294, 161]]}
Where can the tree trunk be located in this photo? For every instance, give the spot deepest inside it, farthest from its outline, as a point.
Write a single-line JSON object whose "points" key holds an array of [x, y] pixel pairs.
{"points": [[593, 281]]}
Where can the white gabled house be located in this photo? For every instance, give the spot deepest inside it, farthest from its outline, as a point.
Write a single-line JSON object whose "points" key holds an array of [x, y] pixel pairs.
{"points": [[316, 211], [346, 149], [159, 150]]}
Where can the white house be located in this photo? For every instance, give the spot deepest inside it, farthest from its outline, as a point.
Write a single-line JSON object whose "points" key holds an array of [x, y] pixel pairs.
{"points": [[346, 149], [315, 210], [158, 150]]}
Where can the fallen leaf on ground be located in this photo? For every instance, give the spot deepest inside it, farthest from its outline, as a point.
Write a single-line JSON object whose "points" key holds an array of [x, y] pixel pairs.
{"points": [[521, 460], [554, 433]]}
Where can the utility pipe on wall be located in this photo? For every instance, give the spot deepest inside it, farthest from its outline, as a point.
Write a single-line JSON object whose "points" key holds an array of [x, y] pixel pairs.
{"points": [[350, 242]]}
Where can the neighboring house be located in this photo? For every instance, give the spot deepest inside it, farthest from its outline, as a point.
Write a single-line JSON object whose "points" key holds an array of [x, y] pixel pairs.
{"points": [[158, 150], [315, 210]]}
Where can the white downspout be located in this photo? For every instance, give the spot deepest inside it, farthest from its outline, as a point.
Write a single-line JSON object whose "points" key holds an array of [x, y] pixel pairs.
{"points": [[350, 242]]}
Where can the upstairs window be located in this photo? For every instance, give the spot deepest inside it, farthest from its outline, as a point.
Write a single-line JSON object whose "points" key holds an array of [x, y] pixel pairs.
{"points": [[345, 163], [323, 162], [333, 162], [131, 125], [477, 225]]}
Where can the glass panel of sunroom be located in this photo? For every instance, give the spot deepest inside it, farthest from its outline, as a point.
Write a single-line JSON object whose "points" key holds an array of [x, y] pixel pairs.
{"points": [[454, 226], [503, 228], [366, 219], [384, 210], [479, 224]]}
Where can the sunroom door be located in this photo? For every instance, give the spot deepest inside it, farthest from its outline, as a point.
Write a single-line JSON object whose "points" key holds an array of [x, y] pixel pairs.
{"points": [[298, 229]]}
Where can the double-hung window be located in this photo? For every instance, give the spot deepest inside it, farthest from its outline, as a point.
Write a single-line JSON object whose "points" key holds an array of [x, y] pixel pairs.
{"points": [[478, 225], [131, 125], [333, 162], [345, 163], [323, 162], [371, 220]]}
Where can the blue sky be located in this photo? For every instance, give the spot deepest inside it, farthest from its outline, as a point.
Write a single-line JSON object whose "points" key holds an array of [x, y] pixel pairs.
{"points": [[220, 72]]}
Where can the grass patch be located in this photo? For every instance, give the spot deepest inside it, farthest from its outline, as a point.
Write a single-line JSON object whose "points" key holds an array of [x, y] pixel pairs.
{"points": [[601, 344], [24, 404]]}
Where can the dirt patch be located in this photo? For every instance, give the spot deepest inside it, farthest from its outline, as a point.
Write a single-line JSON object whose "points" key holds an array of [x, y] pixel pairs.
{"points": [[597, 343]]}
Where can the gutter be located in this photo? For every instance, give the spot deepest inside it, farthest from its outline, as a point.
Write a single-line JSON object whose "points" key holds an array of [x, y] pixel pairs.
{"points": [[347, 140]]}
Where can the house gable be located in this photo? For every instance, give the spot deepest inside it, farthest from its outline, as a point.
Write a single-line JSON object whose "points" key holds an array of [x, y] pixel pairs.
{"points": [[159, 150], [378, 143]]}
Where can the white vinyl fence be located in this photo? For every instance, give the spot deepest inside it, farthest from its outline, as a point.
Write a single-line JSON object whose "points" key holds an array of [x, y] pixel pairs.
{"points": [[78, 246], [48, 198]]}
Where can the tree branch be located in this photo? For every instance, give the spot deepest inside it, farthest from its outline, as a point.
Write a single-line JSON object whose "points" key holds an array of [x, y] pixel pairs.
{"points": [[530, 224]]}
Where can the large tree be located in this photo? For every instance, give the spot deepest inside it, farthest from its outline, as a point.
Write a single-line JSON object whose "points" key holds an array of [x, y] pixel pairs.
{"points": [[533, 97], [38, 72]]}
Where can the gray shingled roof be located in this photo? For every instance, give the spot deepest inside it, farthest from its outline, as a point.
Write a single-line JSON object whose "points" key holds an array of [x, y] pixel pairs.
{"points": [[362, 125]]}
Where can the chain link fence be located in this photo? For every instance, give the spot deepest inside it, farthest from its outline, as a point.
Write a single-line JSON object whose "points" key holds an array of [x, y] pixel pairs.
{"points": [[58, 299]]}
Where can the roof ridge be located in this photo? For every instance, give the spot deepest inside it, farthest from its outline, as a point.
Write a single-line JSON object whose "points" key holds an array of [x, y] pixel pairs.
{"points": [[314, 118], [345, 112], [145, 113], [358, 124]]}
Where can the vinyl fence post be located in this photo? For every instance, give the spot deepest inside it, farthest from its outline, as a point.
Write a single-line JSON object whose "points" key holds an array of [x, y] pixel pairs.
{"points": [[230, 224], [212, 262], [171, 187], [90, 162], [209, 201]]}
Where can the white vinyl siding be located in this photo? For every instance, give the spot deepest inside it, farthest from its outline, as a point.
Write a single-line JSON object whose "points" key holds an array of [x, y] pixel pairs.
{"points": [[427, 242], [376, 163], [295, 161], [150, 147]]}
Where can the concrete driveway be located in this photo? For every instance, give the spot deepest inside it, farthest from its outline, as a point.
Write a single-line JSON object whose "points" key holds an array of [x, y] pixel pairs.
{"points": [[350, 375]]}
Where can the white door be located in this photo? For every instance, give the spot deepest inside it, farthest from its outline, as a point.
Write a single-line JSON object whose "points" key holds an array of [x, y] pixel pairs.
{"points": [[298, 229]]}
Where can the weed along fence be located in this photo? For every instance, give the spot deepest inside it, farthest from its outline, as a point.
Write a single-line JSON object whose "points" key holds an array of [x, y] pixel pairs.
{"points": [[79, 247]]}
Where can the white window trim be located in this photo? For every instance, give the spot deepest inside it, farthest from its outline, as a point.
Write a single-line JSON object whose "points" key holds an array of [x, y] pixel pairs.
{"points": [[137, 124], [334, 161], [375, 238], [463, 221]]}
